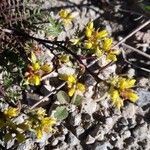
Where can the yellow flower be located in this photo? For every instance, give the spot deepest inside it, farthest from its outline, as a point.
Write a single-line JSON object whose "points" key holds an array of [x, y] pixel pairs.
{"points": [[66, 16], [107, 43], [34, 80], [11, 112], [46, 68], [80, 87]]}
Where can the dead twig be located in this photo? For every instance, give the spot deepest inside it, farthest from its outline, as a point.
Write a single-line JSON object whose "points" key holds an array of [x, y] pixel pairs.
{"points": [[132, 33], [136, 50], [45, 98], [124, 57]]}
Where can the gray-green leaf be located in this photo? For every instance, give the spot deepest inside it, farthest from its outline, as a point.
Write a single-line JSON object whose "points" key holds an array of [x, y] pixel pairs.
{"points": [[62, 97], [61, 113], [77, 100]]}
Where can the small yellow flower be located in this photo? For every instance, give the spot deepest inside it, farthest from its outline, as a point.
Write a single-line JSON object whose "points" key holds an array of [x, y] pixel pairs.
{"points": [[66, 16], [34, 80], [11, 112], [80, 87]]}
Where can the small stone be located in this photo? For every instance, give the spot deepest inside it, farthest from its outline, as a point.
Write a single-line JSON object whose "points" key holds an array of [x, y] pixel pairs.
{"points": [[55, 142], [126, 134], [102, 146], [46, 89], [90, 139], [79, 131], [141, 131], [144, 97], [129, 111]]}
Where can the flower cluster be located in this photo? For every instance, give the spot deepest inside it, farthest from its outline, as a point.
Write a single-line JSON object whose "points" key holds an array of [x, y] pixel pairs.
{"points": [[40, 123], [120, 90], [98, 42], [11, 112], [36, 70], [65, 16], [73, 84]]}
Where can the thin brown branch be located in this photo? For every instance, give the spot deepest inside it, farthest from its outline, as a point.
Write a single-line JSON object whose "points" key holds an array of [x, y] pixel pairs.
{"points": [[136, 50], [132, 33]]}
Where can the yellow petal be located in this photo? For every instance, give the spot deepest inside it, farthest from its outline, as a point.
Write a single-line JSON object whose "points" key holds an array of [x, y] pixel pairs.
{"points": [[36, 66], [115, 97], [102, 34], [75, 41], [71, 92], [88, 45], [46, 68], [111, 57], [133, 97], [33, 57], [126, 83], [35, 80], [39, 133], [80, 87], [72, 79], [64, 58], [107, 44], [90, 25], [63, 13], [88, 32]]}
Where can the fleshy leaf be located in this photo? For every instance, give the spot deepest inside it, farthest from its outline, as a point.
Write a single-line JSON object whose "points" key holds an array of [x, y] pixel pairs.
{"points": [[62, 97], [61, 113]]}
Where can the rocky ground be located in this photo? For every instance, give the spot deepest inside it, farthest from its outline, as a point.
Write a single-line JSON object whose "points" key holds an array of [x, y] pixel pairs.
{"points": [[97, 125]]}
